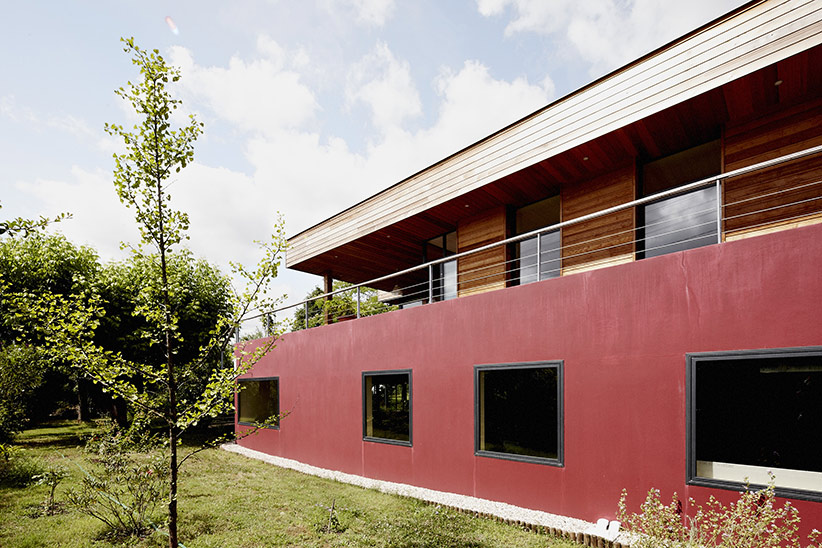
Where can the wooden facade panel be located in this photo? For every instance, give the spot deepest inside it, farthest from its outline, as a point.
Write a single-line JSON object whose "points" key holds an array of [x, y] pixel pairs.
{"points": [[484, 271], [783, 193], [754, 38], [605, 237]]}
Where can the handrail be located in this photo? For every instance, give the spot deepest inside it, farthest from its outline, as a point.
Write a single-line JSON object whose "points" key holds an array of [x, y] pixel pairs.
{"points": [[708, 181]]}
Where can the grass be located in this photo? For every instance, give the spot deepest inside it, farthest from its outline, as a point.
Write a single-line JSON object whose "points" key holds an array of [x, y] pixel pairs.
{"points": [[227, 500]]}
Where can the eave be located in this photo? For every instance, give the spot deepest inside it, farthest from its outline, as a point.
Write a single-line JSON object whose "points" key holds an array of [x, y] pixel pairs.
{"points": [[673, 96]]}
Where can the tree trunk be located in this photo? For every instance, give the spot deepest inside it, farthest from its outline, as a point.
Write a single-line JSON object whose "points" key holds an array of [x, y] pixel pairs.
{"points": [[82, 399]]}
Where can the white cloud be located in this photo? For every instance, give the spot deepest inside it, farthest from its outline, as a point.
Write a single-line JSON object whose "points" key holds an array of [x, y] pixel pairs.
{"points": [[261, 95], [607, 33], [368, 12], [98, 217], [384, 84], [310, 178], [66, 123]]}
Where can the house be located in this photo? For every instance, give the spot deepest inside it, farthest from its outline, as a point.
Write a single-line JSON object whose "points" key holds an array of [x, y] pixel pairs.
{"points": [[621, 290]]}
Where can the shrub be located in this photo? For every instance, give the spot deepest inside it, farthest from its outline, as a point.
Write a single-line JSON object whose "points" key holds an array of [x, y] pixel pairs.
{"points": [[16, 469], [128, 483], [753, 521]]}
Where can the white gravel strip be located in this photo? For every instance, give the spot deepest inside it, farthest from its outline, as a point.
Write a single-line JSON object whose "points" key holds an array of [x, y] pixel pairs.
{"points": [[471, 504]]}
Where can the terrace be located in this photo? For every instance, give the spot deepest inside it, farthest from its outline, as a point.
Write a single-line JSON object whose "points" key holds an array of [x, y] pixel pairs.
{"points": [[688, 216]]}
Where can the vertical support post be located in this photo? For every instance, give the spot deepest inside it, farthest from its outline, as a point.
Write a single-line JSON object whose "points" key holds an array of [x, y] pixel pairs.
{"points": [[306, 314], [358, 301], [539, 256], [328, 287], [719, 211], [430, 283]]}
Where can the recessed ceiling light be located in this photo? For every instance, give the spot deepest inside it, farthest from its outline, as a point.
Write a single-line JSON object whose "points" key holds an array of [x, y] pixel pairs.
{"points": [[467, 205], [778, 83], [584, 158]]}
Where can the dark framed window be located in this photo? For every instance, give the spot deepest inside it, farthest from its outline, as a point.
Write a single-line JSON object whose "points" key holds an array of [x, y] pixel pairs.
{"points": [[684, 221], [755, 412], [258, 400], [518, 412], [538, 264], [444, 274], [386, 406]]}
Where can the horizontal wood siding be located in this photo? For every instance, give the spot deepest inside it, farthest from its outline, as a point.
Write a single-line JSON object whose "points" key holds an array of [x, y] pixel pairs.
{"points": [[752, 39], [604, 239], [773, 197], [484, 271]]}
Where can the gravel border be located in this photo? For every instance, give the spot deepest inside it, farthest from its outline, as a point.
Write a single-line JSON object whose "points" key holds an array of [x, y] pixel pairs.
{"points": [[501, 510]]}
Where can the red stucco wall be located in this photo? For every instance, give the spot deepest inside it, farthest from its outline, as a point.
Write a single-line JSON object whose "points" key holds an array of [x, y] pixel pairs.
{"points": [[622, 332]]}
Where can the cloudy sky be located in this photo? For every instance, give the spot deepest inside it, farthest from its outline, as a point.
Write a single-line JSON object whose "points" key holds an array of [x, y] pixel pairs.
{"points": [[309, 105]]}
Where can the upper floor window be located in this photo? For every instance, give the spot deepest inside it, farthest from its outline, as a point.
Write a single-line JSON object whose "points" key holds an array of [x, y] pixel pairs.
{"points": [[444, 274], [754, 413], [684, 221], [538, 257]]}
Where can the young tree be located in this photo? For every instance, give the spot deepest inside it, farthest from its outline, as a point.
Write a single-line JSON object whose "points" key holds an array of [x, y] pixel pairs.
{"points": [[155, 151]]}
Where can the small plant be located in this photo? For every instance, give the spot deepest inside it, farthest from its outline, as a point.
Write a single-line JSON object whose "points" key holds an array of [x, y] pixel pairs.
{"points": [[124, 493], [51, 477], [753, 521]]}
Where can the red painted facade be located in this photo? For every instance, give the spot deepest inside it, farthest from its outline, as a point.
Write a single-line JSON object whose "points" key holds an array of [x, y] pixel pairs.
{"points": [[623, 334]]}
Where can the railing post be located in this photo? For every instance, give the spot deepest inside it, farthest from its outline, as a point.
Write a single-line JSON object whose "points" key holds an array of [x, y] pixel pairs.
{"points": [[358, 301], [306, 314], [719, 211], [539, 256], [430, 283]]}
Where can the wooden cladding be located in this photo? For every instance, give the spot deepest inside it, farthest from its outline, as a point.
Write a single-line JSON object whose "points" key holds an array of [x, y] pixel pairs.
{"points": [[482, 271], [604, 240], [783, 194]]}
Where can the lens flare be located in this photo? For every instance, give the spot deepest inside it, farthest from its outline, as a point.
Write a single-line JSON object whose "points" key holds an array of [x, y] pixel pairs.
{"points": [[171, 25]]}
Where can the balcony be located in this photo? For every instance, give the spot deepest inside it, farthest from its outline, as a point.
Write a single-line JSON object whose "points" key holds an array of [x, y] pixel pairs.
{"points": [[777, 194]]}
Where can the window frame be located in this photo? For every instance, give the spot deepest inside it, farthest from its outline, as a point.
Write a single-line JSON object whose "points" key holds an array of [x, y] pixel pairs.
{"points": [[559, 365], [239, 395], [692, 359], [389, 441]]}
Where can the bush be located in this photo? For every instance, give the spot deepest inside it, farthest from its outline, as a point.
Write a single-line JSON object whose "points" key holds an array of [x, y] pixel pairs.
{"points": [[753, 521], [16, 469], [127, 485]]}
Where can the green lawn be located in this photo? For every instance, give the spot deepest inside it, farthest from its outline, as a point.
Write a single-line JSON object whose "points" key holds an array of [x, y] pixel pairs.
{"points": [[231, 501]]}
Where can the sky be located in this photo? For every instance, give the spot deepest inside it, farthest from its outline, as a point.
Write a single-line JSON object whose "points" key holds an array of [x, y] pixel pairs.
{"points": [[309, 106]]}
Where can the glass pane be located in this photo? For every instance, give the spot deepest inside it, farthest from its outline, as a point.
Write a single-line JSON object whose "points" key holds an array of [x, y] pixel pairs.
{"points": [[387, 407], [449, 280], [258, 401], [693, 164], [759, 412], [527, 254], [451, 243], [550, 255], [518, 411], [537, 215], [682, 222]]}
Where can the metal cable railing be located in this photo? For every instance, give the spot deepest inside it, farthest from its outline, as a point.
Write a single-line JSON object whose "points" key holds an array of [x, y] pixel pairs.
{"points": [[683, 230]]}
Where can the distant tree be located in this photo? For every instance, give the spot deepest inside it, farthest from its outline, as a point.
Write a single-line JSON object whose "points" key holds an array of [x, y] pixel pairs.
{"points": [[339, 307], [35, 265], [155, 151]]}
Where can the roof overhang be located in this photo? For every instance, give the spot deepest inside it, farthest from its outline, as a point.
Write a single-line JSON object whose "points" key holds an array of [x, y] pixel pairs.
{"points": [[374, 236]]}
